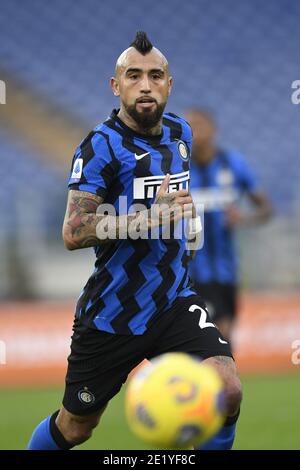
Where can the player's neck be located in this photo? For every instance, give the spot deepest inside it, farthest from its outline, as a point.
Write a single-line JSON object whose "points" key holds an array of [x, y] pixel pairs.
{"points": [[130, 122]]}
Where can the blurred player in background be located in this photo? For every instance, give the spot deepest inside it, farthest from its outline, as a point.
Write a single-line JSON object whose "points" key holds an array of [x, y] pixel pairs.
{"points": [[218, 178], [138, 302]]}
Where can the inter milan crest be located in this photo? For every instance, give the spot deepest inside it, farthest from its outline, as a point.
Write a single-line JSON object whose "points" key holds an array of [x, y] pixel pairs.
{"points": [[86, 397], [183, 150]]}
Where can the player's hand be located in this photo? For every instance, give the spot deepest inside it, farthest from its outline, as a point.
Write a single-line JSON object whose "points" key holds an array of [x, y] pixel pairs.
{"points": [[234, 217], [171, 207]]}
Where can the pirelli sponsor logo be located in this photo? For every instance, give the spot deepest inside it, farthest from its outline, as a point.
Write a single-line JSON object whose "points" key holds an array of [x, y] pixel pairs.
{"points": [[147, 187], [215, 199]]}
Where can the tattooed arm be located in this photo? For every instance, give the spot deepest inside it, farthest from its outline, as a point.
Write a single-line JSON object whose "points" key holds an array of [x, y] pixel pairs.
{"points": [[79, 228], [83, 227]]}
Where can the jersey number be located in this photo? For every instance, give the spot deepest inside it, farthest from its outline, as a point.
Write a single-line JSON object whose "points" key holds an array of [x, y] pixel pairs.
{"points": [[203, 317]]}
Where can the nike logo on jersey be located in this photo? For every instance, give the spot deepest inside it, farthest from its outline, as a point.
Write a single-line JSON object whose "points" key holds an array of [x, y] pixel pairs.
{"points": [[139, 157], [222, 341]]}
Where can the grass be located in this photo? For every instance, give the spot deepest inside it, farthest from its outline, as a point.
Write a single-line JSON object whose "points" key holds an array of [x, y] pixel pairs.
{"points": [[269, 419]]}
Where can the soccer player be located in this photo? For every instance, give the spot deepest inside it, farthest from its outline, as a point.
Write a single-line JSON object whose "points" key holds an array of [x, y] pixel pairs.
{"points": [[138, 303], [218, 178]]}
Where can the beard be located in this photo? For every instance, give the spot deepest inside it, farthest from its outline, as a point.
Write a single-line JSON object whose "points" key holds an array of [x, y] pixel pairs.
{"points": [[146, 119]]}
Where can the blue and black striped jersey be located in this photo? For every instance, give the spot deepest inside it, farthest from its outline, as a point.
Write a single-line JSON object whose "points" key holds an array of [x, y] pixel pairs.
{"points": [[217, 186], [134, 281]]}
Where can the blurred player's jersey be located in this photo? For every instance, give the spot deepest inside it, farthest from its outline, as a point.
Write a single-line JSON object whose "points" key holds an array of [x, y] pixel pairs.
{"points": [[217, 186], [134, 281]]}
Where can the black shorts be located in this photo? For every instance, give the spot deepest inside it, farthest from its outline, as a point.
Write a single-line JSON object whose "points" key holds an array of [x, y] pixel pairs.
{"points": [[100, 362], [220, 299]]}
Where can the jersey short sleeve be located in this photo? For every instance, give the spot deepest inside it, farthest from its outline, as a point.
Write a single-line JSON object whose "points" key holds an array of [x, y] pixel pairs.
{"points": [[94, 166], [187, 135]]}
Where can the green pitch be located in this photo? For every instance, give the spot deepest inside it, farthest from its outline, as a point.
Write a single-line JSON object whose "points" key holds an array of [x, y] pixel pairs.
{"points": [[269, 420]]}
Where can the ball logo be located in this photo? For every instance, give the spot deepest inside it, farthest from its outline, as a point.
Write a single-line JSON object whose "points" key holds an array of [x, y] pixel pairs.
{"points": [[187, 433], [143, 416], [183, 150], [184, 390], [86, 397]]}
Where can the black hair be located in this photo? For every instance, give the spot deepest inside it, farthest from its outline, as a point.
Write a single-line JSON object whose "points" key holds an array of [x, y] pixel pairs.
{"points": [[141, 43]]}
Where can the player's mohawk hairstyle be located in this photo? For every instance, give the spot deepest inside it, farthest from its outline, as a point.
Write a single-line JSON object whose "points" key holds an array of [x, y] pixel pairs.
{"points": [[142, 43]]}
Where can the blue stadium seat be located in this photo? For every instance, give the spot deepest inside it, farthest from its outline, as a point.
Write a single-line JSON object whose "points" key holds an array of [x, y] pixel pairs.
{"points": [[32, 193], [241, 65]]}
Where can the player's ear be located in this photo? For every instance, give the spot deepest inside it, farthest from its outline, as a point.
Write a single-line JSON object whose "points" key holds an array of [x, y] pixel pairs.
{"points": [[170, 85], [115, 86]]}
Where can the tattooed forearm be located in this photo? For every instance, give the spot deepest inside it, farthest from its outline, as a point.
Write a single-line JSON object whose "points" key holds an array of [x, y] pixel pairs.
{"points": [[83, 227], [89, 242], [86, 202], [79, 229], [80, 223]]}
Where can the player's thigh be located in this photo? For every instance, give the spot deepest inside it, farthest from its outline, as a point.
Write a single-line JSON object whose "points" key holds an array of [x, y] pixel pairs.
{"points": [[191, 331], [97, 367]]}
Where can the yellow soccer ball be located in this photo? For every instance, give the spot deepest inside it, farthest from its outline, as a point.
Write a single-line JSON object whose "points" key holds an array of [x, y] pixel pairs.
{"points": [[175, 402]]}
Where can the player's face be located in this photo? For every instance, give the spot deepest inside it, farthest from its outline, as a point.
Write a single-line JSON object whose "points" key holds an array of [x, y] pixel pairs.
{"points": [[203, 134], [143, 84]]}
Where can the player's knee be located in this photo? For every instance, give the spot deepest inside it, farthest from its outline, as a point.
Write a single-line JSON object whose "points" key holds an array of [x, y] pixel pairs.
{"points": [[233, 393], [76, 429], [78, 434], [232, 384]]}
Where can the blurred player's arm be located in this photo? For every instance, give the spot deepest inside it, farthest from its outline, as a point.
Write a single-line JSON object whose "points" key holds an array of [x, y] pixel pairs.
{"points": [[262, 211]]}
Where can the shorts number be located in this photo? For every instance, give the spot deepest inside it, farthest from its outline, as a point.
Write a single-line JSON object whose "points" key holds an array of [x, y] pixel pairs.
{"points": [[203, 317]]}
